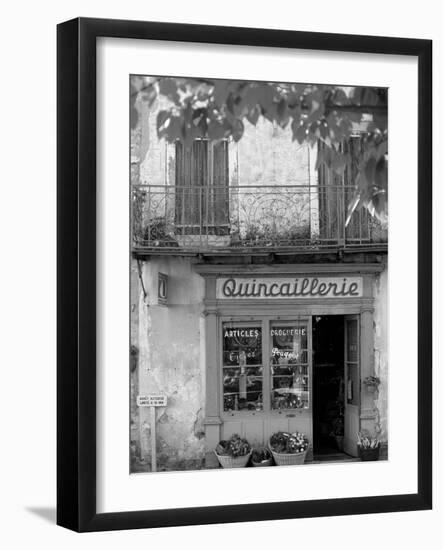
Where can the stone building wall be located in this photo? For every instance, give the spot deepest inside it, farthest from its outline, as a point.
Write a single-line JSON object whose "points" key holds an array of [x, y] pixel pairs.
{"points": [[171, 362], [267, 155]]}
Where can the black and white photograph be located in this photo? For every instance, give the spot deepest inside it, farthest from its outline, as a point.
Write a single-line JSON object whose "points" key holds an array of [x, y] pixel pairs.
{"points": [[221, 282], [258, 273]]}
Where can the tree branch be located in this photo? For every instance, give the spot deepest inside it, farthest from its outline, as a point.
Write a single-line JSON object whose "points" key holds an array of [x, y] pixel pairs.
{"points": [[369, 109]]}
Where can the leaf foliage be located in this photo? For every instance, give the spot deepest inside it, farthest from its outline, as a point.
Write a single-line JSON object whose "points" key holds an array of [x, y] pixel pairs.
{"points": [[218, 109]]}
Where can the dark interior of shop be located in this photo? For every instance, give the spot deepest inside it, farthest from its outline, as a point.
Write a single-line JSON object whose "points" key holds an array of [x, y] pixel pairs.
{"points": [[328, 384]]}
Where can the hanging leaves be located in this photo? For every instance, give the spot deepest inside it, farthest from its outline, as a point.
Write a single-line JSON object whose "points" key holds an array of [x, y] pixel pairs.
{"points": [[216, 109], [168, 88]]}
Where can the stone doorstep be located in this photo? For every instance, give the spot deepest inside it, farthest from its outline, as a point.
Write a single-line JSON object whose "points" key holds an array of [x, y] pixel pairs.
{"points": [[335, 458]]}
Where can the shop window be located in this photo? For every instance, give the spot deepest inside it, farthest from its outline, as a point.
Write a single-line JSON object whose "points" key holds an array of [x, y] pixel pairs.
{"points": [[289, 366], [253, 383], [201, 188], [242, 367]]}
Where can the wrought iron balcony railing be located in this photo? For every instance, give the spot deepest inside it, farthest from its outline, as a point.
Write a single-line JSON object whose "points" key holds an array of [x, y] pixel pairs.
{"points": [[194, 219]]}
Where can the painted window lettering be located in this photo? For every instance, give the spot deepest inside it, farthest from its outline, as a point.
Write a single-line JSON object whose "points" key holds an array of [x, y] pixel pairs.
{"points": [[249, 333], [288, 332], [286, 354]]}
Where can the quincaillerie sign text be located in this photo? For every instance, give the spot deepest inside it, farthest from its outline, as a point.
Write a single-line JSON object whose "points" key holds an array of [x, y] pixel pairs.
{"points": [[289, 287]]}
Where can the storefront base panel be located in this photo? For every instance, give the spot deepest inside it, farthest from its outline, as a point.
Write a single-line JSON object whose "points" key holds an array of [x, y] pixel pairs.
{"points": [[258, 431]]}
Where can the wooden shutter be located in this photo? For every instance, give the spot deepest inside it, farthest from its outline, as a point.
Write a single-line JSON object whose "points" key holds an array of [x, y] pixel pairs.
{"points": [[358, 228], [335, 195], [191, 178], [181, 176], [331, 215], [202, 203], [220, 191]]}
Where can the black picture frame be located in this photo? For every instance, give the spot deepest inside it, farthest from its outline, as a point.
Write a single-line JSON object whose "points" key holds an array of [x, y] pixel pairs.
{"points": [[76, 265]]}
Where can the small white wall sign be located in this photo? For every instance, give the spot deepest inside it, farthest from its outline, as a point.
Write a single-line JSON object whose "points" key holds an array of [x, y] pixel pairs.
{"points": [[152, 400]]}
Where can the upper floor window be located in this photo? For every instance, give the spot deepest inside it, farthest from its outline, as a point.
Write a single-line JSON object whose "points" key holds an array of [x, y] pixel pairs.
{"points": [[335, 194], [201, 188]]}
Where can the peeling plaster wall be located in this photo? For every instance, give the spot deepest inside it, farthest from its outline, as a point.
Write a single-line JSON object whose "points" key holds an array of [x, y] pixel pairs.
{"points": [[266, 154], [170, 362], [153, 159], [381, 352], [134, 361]]}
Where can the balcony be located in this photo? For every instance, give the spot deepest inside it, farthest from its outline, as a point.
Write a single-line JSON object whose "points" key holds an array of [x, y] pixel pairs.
{"points": [[183, 220]]}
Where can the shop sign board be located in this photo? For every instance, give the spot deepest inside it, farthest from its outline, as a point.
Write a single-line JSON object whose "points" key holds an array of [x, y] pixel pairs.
{"points": [[289, 287]]}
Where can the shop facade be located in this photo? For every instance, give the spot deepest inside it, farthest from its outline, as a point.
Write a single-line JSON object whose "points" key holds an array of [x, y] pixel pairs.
{"points": [[244, 348]]}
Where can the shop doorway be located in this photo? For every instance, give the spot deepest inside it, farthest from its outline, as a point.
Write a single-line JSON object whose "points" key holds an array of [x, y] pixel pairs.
{"points": [[329, 386]]}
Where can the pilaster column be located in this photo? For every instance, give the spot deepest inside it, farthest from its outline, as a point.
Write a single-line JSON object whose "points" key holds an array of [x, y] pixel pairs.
{"points": [[367, 404], [212, 412]]}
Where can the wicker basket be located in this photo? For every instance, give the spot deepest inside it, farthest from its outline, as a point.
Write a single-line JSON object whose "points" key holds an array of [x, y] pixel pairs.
{"points": [[288, 459], [267, 462], [261, 451], [227, 461]]}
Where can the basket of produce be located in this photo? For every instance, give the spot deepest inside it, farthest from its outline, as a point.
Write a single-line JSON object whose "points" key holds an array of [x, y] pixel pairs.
{"points": [[261, 457], [288, 448], [234, 452]]}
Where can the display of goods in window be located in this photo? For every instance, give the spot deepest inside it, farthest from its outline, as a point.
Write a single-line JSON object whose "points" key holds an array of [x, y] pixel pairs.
{"points": [[289, 366], [242, 368]]}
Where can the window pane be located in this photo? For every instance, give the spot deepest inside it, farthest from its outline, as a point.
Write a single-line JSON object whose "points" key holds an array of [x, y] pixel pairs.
{"points": [[242, 345], [352, 352], [353, 386], [352, 340], [289, 366], [242, 370], [289, 344]]}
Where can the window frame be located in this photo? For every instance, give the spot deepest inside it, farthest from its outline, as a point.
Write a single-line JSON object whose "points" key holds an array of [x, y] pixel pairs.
{"points": [[264, 320]]}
